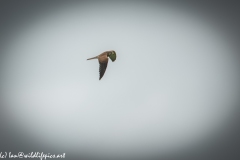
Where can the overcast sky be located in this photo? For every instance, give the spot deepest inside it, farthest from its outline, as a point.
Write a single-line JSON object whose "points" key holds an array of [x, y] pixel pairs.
{"points": [[174, 84]]}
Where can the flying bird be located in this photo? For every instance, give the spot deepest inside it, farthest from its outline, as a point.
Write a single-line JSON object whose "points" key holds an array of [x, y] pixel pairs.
{"points": [[103, 61]]}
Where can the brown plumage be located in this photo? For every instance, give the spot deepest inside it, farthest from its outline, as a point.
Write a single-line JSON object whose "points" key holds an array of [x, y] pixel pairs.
{"points": [[103, 61]]}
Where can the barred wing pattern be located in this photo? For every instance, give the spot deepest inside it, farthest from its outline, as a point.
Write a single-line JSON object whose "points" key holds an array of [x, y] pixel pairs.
{"points": [[102, 69]]}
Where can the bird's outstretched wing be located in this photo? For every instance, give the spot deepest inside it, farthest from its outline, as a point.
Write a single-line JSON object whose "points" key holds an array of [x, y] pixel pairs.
{"points": [[102, 68]]}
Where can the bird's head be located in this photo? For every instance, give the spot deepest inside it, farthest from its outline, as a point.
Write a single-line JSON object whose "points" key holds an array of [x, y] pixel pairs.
{"points": [[112, 55]]}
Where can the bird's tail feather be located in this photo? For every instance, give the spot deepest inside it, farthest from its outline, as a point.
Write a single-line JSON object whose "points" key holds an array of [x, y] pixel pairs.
{"points": [[92, 58]]}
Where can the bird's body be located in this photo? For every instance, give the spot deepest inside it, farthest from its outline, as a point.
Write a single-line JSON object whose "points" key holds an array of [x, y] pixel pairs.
{"points": [[103, 61]]}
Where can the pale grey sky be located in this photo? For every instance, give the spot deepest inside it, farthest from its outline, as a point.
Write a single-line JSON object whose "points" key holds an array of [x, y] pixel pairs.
{"points": [[173, 83]]}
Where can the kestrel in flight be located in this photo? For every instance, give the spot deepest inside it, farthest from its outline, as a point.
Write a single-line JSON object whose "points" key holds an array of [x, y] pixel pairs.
{"points": [[103, 61]]}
